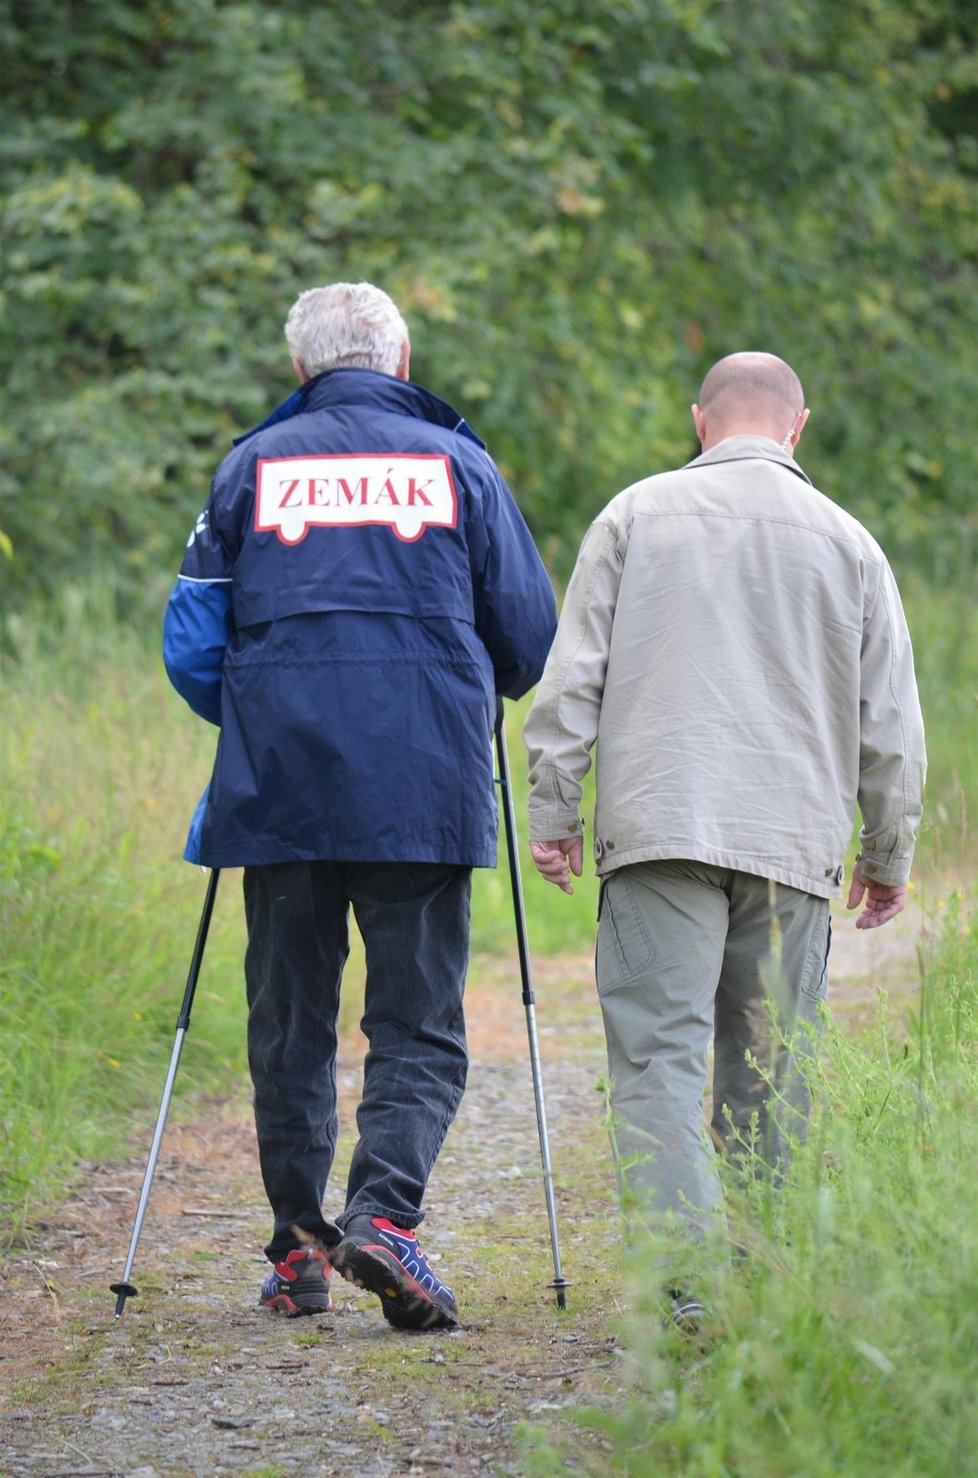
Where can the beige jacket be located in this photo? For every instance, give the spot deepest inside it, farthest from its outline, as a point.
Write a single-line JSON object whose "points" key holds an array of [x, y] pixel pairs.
{"points": [[735, 644]]}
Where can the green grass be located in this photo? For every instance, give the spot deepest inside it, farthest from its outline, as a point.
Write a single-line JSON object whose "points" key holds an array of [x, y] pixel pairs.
{"points": [[97, 912], [944, 628], [102, 765], [845, 1341]]}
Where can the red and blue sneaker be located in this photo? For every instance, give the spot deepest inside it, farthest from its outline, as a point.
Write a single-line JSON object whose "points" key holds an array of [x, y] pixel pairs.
{"points": [[386, 1260], [299, 1285]]}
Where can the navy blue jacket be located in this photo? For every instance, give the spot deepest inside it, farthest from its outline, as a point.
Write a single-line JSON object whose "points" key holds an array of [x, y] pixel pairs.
{"points": [[358, 589]]}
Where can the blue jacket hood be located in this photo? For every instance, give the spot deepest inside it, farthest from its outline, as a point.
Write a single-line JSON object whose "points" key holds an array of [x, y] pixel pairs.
{"points": [[366, 388]]}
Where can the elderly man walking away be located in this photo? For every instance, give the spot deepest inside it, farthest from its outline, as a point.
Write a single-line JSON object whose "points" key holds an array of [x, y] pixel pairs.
{"points": [[735, 644], [356, 593]]}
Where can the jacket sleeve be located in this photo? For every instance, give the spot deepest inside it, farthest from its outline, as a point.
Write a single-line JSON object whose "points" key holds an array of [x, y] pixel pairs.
{"points": [[562, 724], [515, 607], [196, 629], [892, 756], [199, 620]]}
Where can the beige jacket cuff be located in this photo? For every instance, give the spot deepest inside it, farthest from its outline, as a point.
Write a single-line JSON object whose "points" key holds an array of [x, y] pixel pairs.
{"points": [[551, 823], [887, 857]]}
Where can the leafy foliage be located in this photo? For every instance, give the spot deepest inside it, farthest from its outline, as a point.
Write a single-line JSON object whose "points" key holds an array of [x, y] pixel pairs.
{"points": [[578, 210]]}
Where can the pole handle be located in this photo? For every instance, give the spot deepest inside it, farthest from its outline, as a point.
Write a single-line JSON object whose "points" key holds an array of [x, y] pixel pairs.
{"points": [[183, 1020]]}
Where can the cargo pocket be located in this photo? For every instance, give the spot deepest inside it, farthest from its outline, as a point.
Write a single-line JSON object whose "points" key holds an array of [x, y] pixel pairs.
{"points": [[624, 946], [815, 977]]}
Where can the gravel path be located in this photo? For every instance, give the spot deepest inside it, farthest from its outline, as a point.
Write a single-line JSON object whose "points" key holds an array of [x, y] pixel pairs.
{"points": [[196, 1379]]}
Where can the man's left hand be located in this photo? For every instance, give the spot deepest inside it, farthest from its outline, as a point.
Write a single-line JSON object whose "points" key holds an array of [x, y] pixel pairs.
{"points": [[883, 902]]}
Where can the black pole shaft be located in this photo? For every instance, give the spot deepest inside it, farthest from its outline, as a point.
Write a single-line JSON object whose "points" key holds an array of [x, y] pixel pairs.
{"points": [[559, 1282], [125, 1289]]}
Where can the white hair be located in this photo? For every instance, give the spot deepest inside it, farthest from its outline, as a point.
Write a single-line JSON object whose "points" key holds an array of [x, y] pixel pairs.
{"points": [[351, 324]]}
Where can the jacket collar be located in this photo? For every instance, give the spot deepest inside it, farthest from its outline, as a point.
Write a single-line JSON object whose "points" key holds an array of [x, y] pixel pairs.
{"points": [[744, 448], [368, 388]]}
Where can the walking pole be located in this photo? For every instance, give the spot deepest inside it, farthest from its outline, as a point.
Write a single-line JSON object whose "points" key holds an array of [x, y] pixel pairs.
{"points": [[559, 1282], [125, 1289]]}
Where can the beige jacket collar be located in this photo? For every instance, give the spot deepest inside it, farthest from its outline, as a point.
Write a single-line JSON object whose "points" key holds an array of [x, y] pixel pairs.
{"points": [[741, 448]]}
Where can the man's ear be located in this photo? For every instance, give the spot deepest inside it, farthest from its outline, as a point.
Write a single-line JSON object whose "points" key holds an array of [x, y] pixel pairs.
{"points": [[403, 371], [300, 370], [699, 422]]}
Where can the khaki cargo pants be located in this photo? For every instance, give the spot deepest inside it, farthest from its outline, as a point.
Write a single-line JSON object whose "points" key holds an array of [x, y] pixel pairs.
{"points": [[688, 952]]}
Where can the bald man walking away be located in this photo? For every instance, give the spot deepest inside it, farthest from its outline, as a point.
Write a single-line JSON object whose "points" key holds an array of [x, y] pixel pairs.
{"points": [[735, 644]]}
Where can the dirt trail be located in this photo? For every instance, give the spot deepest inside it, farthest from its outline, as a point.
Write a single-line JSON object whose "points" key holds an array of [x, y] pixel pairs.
{"points": [[196, 1379]]}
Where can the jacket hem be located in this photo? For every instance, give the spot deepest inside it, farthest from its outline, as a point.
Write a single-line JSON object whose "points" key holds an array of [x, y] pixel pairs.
{"points": [[206, 858], [821, 887]]}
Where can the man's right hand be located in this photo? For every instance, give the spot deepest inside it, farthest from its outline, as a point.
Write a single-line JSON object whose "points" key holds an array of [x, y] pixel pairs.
{"points": [[556, 860]]}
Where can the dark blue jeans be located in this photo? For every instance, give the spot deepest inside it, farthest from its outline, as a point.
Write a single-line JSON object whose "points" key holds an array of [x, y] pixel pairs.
{"points": [[414, 919]]}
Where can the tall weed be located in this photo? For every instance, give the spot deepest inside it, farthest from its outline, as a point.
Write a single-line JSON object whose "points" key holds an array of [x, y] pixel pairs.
{"points": [[945, 638], [845, 1339], [98, 917]]}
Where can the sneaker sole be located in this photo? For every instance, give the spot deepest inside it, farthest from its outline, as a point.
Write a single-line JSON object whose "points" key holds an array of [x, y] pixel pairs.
{"points": [[281, 1303], [405, 1303]]}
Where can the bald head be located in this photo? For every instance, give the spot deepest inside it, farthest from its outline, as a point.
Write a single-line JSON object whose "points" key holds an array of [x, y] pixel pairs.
{"points": [[751, 395]]}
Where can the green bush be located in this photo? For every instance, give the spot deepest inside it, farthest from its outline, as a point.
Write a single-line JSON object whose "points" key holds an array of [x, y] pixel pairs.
{"points": [[578, 210]]}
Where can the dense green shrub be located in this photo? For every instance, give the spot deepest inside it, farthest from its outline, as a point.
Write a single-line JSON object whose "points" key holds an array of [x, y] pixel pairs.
{"points": [[578, 209]]}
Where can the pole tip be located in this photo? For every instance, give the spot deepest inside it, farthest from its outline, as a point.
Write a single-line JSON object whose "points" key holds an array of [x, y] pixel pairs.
{"points": [[559, 1284], [124, 1290]]}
